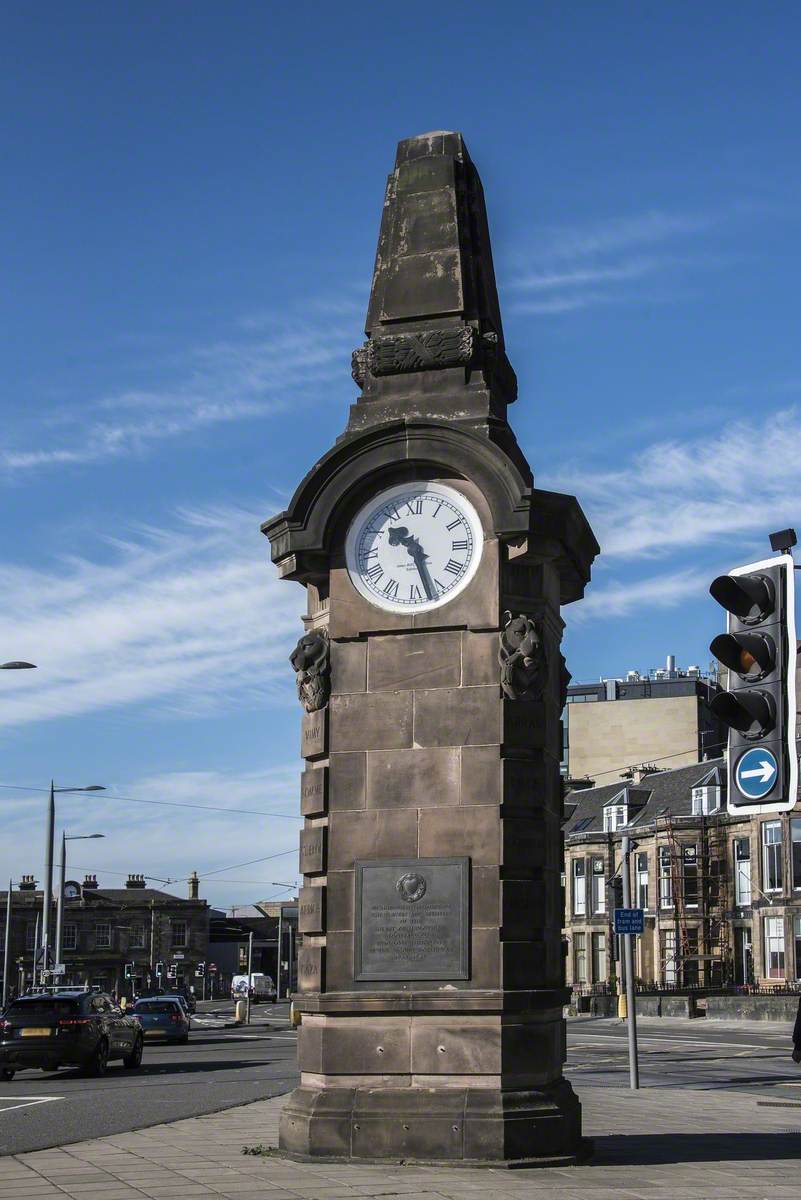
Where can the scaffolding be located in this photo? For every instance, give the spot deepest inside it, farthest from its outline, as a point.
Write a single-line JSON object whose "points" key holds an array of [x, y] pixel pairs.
{"points": [[700, 900]]}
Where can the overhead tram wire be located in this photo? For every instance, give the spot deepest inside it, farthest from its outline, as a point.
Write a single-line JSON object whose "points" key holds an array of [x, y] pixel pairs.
{"points": [[247, 812]]}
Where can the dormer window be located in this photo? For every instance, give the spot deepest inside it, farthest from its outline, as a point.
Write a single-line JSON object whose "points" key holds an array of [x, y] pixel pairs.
{"points": [[615, 816], [705, 800]]}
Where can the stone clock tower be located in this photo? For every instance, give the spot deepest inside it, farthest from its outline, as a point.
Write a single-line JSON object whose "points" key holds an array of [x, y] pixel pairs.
{"points": [[431, 974]]}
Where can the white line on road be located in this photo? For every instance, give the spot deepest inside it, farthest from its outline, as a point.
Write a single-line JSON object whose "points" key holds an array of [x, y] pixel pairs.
{"points": [[25, 1103]]}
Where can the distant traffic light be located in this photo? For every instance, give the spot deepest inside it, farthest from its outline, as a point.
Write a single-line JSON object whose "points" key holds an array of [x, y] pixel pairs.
{"points": [[759, 650], [615, 886], [200, 970]]}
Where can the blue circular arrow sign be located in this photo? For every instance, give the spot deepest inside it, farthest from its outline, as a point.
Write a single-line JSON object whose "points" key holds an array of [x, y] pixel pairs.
{"points": [[756, 772]]}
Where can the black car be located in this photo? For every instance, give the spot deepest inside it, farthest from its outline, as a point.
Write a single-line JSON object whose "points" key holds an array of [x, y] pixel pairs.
{"points": [[67, 1029]]}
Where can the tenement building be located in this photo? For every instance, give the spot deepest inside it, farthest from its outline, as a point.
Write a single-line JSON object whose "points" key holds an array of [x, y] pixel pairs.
{"points": [[661, 717], [106, 930], [721, 893]]}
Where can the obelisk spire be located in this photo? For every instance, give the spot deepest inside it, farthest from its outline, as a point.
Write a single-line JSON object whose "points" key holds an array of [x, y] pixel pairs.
{"points": [[434, 336]]}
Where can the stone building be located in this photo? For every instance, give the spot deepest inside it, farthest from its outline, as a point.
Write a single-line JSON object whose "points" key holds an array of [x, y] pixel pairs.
{"points": [[662, 717], [721, 893], [106, 928]]}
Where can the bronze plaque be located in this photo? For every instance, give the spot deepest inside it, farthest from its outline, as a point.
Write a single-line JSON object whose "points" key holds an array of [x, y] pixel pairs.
{"points": [[412, 919]]}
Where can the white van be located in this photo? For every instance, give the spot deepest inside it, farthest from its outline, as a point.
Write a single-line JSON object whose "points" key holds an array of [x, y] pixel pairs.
{"points": [[261, 988]]}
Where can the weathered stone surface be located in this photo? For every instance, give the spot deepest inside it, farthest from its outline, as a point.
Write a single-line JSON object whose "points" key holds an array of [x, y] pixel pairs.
{"points": [[481, 775], [474, 832], [314, 734], [527, 784], [416, 660], [312, 850], [356, 1045], [523, 725], [386, 833], [523, 843], [456, 717], [348, 667], [310, 968], [311, 910], [347, 775], [374, 721], [485, 958], [523, 908], [413, 778], [486, 897], [480, 659], [314, 791], [340, 900]]}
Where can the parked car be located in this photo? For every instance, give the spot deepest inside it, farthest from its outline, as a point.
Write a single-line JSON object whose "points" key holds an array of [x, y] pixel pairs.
{"points": [[162, 1018], [261, 987], [76, 1029]]}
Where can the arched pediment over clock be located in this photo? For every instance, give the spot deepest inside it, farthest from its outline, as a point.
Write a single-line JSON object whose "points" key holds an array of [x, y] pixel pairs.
{"points": [[303, 537]]}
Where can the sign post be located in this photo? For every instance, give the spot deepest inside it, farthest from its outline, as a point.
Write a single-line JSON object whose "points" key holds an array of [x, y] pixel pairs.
{"points": [[628, 951]]}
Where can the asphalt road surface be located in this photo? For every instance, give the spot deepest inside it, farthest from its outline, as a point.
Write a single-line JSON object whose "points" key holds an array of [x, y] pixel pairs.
{"points": [[219, 1068], [222, 1067]]}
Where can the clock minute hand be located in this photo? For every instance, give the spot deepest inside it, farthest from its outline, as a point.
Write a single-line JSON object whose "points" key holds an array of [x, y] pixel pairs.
{"points": [[400, 536]]}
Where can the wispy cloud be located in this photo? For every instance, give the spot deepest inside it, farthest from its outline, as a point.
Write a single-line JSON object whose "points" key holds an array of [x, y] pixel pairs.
{"points": [[603, 263], [191, 616], [244, 376], [676, 496], [657, 592]]}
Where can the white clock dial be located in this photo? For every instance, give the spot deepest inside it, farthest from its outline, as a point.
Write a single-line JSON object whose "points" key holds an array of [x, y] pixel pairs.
{"points": [[414, 547]]}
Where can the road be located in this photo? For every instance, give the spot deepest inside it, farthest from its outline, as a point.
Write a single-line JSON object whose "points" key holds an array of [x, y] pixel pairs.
{"points": [[222, 1067], [219, 1068]]}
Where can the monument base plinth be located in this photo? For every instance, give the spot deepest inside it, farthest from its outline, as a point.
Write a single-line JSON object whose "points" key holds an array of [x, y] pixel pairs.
{"points": [[456, 1126]]}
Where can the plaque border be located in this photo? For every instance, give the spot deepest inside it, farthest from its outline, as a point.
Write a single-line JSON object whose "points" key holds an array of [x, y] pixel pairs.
{"points": [[463, 972]]}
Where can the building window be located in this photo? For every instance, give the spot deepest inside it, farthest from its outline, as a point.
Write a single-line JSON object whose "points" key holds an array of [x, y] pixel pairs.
{"points": [[598, 886], [665, 880], [705, 800], [743, 960], [774, 946], [689, 858], [669, 956], [30, 937], [795, 841], [772, 856], [598, 957], [102, 937], [137, 938], [742, 872], [69, 937], [690, 964], [579, 888], [615, 817], [178, 929], [642, 880], [579, 958]]}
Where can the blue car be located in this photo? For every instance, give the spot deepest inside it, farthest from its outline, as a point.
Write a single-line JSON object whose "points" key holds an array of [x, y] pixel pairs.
{"points": [[162, 1019]]}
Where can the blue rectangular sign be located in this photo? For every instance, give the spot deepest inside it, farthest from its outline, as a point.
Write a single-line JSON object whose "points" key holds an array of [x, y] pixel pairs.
{"points": [[629, 920]]}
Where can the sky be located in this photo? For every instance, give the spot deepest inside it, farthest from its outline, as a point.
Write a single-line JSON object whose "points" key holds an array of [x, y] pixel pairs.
{"points": [[191, 196]]}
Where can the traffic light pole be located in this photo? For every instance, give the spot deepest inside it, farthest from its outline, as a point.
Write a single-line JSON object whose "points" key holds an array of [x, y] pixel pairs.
{"points": [[628, 958]]}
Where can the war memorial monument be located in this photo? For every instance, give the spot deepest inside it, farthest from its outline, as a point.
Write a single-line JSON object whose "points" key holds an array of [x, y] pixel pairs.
{"points": [[431, 974]]}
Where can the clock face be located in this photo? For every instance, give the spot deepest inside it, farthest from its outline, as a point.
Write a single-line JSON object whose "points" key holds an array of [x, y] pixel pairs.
{"points": [[414, 547], [71, 890]]}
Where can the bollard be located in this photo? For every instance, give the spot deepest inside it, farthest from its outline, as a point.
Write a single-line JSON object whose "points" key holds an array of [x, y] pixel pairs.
{"points": [[241, 1012], [621, 1006]]}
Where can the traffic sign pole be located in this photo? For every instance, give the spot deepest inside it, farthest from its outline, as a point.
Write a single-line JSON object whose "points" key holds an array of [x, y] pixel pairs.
{"points": [[628, 951]]}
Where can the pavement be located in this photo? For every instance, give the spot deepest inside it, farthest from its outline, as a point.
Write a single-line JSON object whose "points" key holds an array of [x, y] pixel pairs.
{"points": [[717, 1119]]}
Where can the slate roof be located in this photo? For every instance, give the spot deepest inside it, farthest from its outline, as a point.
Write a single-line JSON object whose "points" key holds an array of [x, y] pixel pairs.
{"points": [[666, 791]]}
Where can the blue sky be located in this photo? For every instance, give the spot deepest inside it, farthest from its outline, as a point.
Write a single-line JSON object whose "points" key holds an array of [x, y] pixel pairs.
{"points": [[191, 195]]}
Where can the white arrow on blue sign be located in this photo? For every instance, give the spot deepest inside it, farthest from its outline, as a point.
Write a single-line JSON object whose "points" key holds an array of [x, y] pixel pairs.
{"points": [[756, 772]]}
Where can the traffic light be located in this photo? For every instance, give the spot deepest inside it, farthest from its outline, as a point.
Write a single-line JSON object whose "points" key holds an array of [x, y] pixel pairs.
{"points": [[129, 970], [759, 650], [159, 969], [615, 886], [200, 970]]}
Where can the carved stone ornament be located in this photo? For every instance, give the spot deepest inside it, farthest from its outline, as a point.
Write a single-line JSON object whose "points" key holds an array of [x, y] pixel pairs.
{"points": [[311, 661], [521, 654], [411, 887], [431, 349]]}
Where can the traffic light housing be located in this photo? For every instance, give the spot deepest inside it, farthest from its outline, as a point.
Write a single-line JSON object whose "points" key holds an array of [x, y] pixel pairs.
{"points": [[159, 968], [759, 705], [615, 886]]}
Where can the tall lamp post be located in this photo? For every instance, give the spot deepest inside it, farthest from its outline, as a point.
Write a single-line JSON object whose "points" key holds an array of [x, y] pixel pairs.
{"points": [[65, 837], [48, 879]]}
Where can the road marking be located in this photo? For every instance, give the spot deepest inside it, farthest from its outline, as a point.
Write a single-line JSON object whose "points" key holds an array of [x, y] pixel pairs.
{"points": [[25, 1103]]}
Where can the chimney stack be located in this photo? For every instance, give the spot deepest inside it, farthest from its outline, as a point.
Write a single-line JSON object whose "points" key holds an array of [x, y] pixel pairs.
{"points": [[27, 884], [194, 886], [90, 883], [136, 881]]}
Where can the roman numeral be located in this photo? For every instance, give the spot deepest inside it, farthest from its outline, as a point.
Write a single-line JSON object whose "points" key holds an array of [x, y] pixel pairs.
{"points": [[375, 573], [391, 589], [439, 506], [461, 544], [368, 554], [415, 507], [414, 592], [392, 512], [453, 566], [453, 524], [440, 586]]}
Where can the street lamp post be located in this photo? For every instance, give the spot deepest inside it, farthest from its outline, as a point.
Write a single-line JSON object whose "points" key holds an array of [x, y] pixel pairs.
{"points": [[48, 879], [77, 837], [7, 947]]}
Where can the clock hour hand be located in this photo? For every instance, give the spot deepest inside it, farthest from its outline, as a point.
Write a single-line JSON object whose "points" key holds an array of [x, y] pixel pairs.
{"points": [[400, 536]]}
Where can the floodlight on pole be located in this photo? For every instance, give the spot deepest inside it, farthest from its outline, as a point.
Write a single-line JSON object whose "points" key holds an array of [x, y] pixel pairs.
{"points": [[68, 837], [47, 899]]}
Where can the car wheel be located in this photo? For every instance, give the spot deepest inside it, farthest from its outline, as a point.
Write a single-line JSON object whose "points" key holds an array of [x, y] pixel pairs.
{"points": [[99, 1061], [134, 1059], [7, 1074]]}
